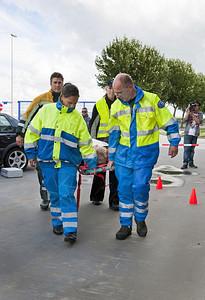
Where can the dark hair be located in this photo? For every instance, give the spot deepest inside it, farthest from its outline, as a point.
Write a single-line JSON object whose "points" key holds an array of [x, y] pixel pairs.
{"points": [[197, 102], [69, 90], [110, 82], [56, 75]]}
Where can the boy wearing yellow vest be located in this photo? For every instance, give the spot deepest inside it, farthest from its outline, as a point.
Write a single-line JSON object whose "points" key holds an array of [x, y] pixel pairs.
{"points": [[98, 130]]}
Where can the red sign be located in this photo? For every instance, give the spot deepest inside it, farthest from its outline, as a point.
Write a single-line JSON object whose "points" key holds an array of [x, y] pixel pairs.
{"points": [[1, 107]]}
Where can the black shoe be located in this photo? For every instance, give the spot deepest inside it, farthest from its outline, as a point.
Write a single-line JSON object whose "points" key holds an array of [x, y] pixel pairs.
{"points": [[114, 206], [124, 232], [185, 166], [94, 202], [71, 237], [141, 228], [58, 229], [44, 205], [191, 165]]}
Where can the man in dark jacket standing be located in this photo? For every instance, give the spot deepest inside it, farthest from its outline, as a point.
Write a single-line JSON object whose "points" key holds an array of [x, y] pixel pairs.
{"points": [[193, 119], [85, 116]]}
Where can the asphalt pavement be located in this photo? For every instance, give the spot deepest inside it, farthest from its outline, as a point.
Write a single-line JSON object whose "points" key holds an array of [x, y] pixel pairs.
{"points": [[169, 264]]}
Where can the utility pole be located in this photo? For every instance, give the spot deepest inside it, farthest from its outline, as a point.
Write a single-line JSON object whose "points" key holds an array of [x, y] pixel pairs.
{"points": [[12, 36]]}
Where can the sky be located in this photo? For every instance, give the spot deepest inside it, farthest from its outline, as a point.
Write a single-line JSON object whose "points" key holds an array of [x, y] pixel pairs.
{"points": [[66, 36]]}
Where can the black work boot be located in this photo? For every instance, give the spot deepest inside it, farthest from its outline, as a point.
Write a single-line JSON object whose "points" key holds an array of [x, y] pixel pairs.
{"points": [[44, 205], [115, 206], [191, 165], [124, 232], [141, 228], [71, 237], [184, 166], [58, 229], [95, 202]]}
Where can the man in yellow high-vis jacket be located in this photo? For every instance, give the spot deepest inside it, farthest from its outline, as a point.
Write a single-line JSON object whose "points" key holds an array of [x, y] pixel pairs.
{"points": [[136, 117], [59, 139], [98, 130]]}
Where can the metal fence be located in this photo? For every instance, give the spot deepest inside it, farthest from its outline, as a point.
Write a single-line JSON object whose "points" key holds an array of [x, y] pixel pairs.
{"points": [[23, 105]]}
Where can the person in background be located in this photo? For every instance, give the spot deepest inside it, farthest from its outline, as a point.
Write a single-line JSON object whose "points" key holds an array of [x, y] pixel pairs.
{"points": [[98, 130], [56, 84], [60, 142], [193, 119], [136, 117], [85, 116]]}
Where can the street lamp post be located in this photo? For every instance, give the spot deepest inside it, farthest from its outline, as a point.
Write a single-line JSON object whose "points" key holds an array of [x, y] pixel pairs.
{"points": [[12, 36]]}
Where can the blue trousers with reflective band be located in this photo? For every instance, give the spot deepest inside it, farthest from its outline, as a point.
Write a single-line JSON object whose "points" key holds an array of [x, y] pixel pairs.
{"points": [[61, 184], [133, 191]]}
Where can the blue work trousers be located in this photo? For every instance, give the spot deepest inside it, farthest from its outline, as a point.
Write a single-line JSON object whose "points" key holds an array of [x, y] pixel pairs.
{"points": [[61, 184], [133, 192]]}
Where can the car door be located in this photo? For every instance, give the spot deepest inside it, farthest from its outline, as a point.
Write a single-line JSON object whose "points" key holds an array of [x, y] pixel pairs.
{"points": [[7, 133]]}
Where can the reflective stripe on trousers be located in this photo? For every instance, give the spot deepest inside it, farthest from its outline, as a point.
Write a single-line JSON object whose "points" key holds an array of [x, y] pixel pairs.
{"points": [[61, 184], [133, 192]]}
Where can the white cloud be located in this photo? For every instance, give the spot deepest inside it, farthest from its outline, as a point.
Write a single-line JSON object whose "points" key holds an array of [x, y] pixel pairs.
{"points": [[66, 36]]}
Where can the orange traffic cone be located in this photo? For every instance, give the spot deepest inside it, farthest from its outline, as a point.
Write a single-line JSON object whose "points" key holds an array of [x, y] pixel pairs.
{"points": [[193, 199], [159, 184]]}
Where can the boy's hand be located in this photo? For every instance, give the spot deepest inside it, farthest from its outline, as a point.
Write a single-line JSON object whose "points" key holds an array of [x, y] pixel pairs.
{"points": [[110, 165], [32, 162]]}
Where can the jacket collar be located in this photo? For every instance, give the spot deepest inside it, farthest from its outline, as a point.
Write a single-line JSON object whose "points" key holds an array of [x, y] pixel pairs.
{"points": [[63, 108], [138, 97]]}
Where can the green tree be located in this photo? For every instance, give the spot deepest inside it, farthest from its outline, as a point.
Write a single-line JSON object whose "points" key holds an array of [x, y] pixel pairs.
{"points": [[181, 84], [175, 81], [143, 63], [199, 90]]}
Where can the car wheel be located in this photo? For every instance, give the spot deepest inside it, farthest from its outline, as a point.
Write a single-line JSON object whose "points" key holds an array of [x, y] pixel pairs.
{"points": [[16, 158]]}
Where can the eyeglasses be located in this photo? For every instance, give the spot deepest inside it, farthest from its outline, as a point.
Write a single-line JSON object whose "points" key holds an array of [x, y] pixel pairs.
{"points": [[84, 111], [120, 93]]}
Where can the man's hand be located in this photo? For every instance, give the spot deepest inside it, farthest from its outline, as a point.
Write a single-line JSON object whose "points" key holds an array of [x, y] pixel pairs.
{"points": [[94, 171], [173, 150], [192, 113], [32, 162], [110, 165], [19, 141]]}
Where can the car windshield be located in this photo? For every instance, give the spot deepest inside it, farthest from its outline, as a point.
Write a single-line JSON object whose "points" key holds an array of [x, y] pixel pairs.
{"points": [[5, 124]]}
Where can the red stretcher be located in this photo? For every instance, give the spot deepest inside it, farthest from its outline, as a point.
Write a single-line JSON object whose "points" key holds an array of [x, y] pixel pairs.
{"points": [[83, 169]]}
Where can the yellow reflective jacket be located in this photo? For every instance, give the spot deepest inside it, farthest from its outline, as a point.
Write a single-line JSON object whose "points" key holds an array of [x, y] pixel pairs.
{"points": [[134, 131], [31, 111], [58, 133], [104, 113]]}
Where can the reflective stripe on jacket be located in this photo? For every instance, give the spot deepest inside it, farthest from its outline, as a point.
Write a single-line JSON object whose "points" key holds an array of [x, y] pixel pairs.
{"points": [[56, 134], [104, 113], [134, 132], [31, 111]]}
